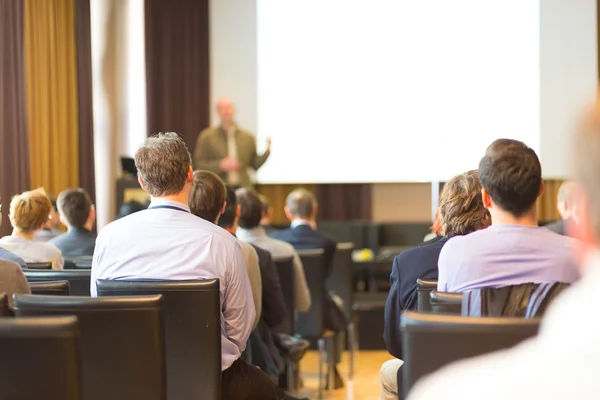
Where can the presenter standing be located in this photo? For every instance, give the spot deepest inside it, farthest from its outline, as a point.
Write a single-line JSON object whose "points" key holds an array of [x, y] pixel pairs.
{"points": [[227, 150]]}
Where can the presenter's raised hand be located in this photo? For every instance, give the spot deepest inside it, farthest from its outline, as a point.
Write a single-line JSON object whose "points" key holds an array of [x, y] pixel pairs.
{"points": [[268, 143]]}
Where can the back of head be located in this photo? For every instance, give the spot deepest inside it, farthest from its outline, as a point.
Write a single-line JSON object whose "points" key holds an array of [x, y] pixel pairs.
{"points": [[227, 219], [29, 211], [74, 206], [301, 203], [250, 208], [565, 198], [461, 207], [586, 167], [207, 196], [163, 162], [512, 175], [265, 203]]}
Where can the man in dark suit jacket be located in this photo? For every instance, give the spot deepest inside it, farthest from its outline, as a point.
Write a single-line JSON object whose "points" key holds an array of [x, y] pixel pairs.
{"points": [[461, 212], [78, 214], [301, 210]]}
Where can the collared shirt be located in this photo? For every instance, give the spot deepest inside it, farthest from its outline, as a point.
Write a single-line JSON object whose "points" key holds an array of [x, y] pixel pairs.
{"points": [[33, 252], [504, 255], [233, 177], [172, 244], [560, 363], [298, 222], [279, 248]]}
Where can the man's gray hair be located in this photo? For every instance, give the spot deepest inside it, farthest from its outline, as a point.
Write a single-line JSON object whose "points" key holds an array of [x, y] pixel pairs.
{"points": [[163, 162], [301, 203]]}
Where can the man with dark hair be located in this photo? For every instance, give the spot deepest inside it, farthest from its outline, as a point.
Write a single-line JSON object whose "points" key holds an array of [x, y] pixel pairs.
{"points": [[267, 214], [208, 201], [514, 250], [250, 231], [167, 242], [78, 214]]}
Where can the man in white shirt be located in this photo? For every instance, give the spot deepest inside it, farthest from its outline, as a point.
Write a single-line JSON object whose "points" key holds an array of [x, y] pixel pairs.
{"points": [[167, 242], [563, 361]]}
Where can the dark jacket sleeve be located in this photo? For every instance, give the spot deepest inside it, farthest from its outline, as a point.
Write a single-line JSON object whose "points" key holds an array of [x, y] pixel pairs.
{"points": [[273, 304], [329, 249], [393, 311]]}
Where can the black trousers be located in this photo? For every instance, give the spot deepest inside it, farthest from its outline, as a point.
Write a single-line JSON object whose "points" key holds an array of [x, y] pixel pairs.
{"points": [[243, 381]]}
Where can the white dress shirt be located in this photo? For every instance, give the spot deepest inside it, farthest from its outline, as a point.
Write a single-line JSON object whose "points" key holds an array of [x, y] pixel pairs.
{"points": [[562, 362], [278, 248], [173, 244], [33, 252]]}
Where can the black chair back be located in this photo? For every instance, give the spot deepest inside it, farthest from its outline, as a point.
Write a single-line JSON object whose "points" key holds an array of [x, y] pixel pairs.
{"points": [[446, 303], [192, 333], [4, 309], [81, 262], [424, 288], [341, 280], [79, 280], [285, 269], [430, 341], [310, 323], [50, 288], [39, 265], [121, 345], [39, 359]]}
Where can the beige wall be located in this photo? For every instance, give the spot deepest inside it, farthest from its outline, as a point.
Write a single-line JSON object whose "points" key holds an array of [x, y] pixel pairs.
{"points": [[401, 202]]}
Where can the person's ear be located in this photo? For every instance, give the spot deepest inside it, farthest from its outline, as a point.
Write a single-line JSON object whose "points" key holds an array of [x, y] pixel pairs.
{"points": [[141, 182], [63, 220], [288, 214], [315, 210], [485, 197], [223, 208], [190, 175], [238, 211], [541, 188], [92, 214]]}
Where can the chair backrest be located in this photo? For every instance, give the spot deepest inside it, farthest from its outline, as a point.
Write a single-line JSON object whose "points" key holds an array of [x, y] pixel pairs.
{"points": [[192, 332], [430, 341], [39, 265], [446, 303], [424, 288], [4, 309], [341, 280], [50, 288], [285, 269], [39, 358], [80, 262], [79, 280], [121, 345], [310, 323]]}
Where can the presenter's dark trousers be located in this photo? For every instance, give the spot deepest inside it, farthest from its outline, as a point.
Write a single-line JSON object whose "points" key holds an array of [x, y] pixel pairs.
{"points": [[243, 381]]}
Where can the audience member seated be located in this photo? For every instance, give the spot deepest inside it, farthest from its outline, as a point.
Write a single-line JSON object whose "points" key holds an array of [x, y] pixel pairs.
{"points": [[562, 361], [301, 209], [436, 229], [565, 209], [131, 207], [29, 212], [514, 249], [78, 214], [208, 201], [50, 229], [461, 212], [250, 231], [8, 255], [167, 242], [267, 214]]}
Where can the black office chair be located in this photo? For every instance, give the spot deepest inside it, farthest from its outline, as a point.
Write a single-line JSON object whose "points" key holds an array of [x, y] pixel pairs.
{"points": [[310, 324], [81, 262], [121, 345], [424, 288], [50, 288], [341, 281], [4, 309], [79, 280], [430, 341], [446, 303], [39, 265], [192, 333], [39, 359]]}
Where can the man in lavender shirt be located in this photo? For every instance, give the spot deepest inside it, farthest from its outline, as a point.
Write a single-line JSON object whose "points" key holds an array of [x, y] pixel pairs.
{"points": [[514, 250], [167, 242]]}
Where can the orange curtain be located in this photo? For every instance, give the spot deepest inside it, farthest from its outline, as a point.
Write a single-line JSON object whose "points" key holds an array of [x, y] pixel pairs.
{"points": [[51, 86]]}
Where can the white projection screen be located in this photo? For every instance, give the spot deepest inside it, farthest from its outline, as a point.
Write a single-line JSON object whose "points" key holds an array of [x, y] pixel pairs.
{"points": [[354, 91]]}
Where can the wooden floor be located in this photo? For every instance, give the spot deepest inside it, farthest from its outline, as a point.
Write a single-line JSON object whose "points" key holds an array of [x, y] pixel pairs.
{"points": [[366, 376]]}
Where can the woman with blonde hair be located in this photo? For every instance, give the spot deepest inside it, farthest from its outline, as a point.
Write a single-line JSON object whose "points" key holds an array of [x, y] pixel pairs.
{"points": [[29, 212]]}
